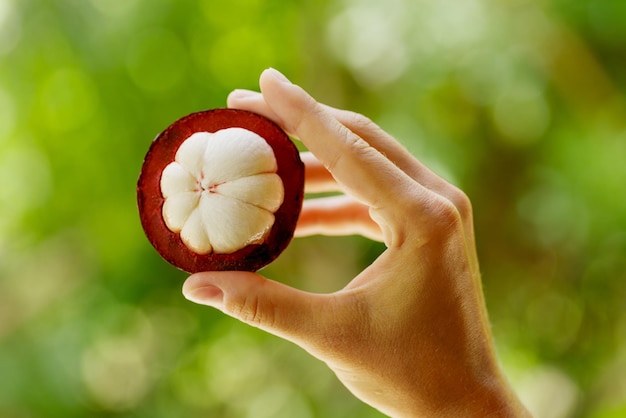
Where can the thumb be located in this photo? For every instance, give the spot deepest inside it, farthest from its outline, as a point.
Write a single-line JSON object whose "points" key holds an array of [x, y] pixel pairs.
{"points": [[251, 298]]}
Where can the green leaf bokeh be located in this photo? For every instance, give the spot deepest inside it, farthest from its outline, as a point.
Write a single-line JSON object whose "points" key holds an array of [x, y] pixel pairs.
{"points": [[520, 103]]}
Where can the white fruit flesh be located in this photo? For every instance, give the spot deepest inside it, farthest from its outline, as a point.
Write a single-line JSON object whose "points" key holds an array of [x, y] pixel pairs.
{"points": [[221, 191]]}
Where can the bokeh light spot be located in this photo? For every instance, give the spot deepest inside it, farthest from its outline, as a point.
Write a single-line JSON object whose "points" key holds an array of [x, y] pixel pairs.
{"points": [[521, 114], [29, 185], [224, 362], [449, 26], [556, 216], [279, 401], [115, 367], [10, 27], [369, 41], [549, 393], [237, 57], [556, 319], [157, 60], [69, 98], [115, 373]]}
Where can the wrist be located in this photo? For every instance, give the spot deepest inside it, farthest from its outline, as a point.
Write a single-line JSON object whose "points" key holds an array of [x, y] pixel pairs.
{"points": [[488, 398], [492, 398]]}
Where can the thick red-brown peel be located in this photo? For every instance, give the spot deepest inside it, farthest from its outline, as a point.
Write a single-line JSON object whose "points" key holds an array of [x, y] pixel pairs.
{"points": [[150, 200]]}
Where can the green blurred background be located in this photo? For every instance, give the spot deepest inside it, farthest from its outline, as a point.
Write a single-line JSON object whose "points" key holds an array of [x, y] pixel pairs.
{"points": [[520, 103]]}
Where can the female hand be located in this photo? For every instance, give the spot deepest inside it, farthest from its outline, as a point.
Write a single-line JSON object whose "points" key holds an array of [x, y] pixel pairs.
{"points": [[410, 334]]}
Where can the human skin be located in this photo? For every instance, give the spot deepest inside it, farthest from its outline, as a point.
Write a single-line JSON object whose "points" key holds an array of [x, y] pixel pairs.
{"points": [[410, 334]]}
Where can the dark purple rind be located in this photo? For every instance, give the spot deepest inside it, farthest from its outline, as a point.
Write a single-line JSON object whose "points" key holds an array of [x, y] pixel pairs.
{"points": [[150, 200]]}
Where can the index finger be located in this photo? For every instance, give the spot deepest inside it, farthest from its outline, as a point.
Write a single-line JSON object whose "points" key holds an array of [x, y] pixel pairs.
{"points": [[361, 168]]}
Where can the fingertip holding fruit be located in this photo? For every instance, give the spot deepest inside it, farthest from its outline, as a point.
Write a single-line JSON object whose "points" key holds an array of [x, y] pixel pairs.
{"points": [[221, 189]]}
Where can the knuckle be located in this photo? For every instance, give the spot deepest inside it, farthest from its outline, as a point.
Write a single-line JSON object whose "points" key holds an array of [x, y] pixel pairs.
{"points": [[300, 115], [445, 221], [448, 213], [437, 213], [422, 215], [361, 125], [359, 121], [351, 144], [460, 201], [252, 311]]}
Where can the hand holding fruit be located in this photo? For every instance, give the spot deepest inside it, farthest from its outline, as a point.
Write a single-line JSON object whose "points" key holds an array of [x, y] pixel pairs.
{"points": [[410, 334]]}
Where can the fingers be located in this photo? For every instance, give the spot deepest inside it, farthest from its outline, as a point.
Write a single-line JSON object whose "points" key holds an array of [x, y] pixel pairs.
{"points": [[387, 145], [337, 215], [401, 157], [357, 123], [374, 135], [257, 301], [361, 126], [363, 170], [252, 101], [366, 161]]}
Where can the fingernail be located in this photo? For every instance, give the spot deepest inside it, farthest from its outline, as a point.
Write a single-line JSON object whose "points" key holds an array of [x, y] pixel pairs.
{"points": [[242, 94], [206, 295], [278, 75]]}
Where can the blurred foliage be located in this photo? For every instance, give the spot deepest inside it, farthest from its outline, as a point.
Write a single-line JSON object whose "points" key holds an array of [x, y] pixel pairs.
{"points": [[520, 103]]}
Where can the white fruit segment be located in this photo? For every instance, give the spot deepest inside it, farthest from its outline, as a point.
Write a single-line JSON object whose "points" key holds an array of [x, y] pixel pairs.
{"points": [[221, 191]]}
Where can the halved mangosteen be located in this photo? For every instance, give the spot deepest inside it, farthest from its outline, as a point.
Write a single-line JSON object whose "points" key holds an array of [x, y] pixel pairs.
{"points": [[221, 189]]}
